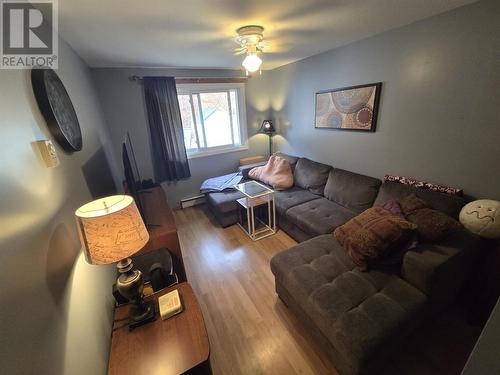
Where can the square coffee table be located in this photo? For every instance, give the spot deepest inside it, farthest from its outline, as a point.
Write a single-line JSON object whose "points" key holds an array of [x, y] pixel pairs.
{"points": [[257, 214]]}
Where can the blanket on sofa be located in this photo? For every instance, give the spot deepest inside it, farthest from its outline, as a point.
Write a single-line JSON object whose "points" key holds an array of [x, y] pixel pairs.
{"points": [[221, 183], [277, 173]]}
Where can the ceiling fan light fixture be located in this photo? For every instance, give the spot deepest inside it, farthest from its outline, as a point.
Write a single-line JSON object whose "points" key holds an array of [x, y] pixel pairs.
{"points": [[251, 41], [252, 62]]}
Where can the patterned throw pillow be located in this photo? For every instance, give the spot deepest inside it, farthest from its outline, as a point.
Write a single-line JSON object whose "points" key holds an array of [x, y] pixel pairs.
{"points": [[394, 260], [432, 225], [372, 235], [424, 185], [393, 207]]}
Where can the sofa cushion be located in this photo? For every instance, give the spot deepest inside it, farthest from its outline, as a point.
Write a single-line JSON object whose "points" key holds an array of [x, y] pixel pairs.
{"points": [[292, 197], [449, 204], [351, 190], [319, 216], [358, 312], [276, 172], [311, 175], [224, 201], [323, 254]]}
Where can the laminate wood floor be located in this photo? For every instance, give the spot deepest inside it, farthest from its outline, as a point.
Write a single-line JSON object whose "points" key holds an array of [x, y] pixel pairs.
{"points": [[252, 332]]}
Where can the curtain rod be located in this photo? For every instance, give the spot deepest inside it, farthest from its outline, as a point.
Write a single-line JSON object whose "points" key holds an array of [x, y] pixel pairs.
{"points": [[187, 80]]}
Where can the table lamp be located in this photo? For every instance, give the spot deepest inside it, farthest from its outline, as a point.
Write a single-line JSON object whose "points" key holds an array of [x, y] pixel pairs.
{"points": [[111, 230], [268, 128]]}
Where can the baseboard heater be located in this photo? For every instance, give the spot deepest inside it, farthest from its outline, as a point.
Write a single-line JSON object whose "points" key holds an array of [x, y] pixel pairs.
{"points": [[193, 201]]}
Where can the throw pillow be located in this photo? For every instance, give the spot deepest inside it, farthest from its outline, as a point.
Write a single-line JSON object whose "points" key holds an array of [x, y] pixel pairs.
{"points": [[394, 260], [424, 185], [276, 172], [393, 207], [432, 225], [372, 235], [411, 203]]}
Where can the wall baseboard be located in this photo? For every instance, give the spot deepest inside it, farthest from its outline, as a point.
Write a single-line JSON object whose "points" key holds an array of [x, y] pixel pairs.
{"points": [[193, 201]]}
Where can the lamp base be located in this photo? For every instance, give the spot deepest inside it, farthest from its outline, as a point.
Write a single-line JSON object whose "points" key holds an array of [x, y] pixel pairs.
{"points": [[140, 315], [130, 285]]}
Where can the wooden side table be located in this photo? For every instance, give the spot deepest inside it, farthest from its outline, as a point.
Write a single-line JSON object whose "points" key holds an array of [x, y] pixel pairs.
{"points": [[173, 346]]}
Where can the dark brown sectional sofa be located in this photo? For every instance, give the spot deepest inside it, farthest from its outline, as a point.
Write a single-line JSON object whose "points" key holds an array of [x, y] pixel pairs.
{"points": [[360, 318]]}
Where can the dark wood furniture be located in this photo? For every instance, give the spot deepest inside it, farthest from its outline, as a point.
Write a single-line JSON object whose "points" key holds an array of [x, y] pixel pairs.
{"points": [[162, 228], [173, 346], [484, 290]]}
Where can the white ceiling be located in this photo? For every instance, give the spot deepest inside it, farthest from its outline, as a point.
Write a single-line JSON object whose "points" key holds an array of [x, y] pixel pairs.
{"points": [[200, 33]]}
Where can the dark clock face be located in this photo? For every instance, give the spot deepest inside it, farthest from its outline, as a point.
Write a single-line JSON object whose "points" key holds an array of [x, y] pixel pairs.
{"points": [[57, 109]]}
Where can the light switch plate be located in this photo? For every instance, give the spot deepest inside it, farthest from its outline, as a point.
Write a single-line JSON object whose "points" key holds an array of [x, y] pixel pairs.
{"points": [[48, 152]]}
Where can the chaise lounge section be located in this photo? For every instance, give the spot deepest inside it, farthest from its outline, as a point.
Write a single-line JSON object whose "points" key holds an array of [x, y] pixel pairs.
{"points": [[361, 318]]}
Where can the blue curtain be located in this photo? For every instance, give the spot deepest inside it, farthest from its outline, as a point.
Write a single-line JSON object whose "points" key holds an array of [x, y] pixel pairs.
{"points": [[170, 162]]}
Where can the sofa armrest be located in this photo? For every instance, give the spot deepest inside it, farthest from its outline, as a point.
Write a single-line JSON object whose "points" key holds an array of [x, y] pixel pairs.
{"points": [[439, 270], [419, 268], [245, 169]]}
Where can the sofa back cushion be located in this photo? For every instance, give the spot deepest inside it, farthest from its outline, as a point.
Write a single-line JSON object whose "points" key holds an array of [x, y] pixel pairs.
{"points": [[311, 175], [449, 204], [351, 190]]}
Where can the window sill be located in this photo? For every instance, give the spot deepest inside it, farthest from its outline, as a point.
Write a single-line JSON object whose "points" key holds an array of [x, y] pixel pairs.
{"points": [[217, 152]]}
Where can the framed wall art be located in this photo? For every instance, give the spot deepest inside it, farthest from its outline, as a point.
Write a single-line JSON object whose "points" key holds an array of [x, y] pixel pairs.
{"points": [[348, 108]]}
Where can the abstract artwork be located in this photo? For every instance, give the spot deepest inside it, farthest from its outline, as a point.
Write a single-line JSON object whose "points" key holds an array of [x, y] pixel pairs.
{"points": [[348, 108]]}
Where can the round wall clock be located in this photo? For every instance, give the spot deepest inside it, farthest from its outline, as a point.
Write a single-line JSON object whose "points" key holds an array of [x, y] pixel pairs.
{"points": [[57, 109]]}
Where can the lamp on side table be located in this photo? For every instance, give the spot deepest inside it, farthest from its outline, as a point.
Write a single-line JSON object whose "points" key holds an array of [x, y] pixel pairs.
{"points": [[111, 230]]}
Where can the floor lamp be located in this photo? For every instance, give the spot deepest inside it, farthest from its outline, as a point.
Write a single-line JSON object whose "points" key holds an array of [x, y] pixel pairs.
{"points": [[268, 128]]}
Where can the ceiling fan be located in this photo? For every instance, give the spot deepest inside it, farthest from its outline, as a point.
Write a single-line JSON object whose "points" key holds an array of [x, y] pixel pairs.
{"points": [[251, 41]]}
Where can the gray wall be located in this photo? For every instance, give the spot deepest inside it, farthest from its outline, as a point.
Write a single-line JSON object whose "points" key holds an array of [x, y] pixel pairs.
{"points": [[55, 309], [123, 107], [439, 112]]}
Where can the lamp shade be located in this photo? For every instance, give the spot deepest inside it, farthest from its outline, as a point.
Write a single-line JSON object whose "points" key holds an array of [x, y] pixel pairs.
{"points": [[267, 127], [111, 229]]}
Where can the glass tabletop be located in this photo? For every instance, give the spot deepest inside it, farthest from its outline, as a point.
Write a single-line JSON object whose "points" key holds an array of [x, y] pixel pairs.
{"points": [[253, 189]]}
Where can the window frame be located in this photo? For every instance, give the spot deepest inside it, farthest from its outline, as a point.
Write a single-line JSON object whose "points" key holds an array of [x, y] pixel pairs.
{"points": [[188, 89]]}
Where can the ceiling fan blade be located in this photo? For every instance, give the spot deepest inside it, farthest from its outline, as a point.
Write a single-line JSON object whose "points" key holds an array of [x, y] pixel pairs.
{"points": [[263, 46], [240, 50]]}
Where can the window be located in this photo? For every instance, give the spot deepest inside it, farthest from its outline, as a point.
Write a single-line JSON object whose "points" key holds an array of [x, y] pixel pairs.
{"points": [[213, 118]]}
